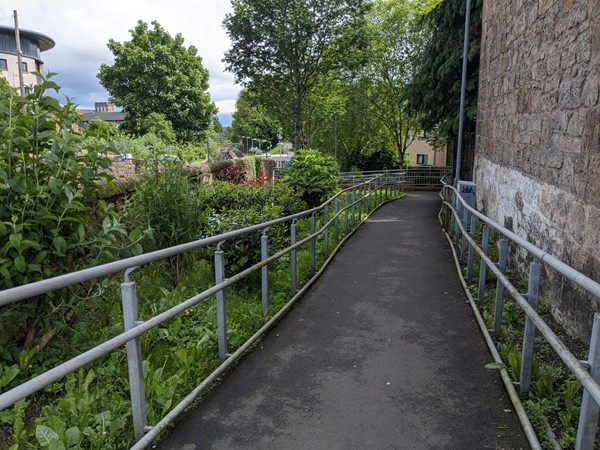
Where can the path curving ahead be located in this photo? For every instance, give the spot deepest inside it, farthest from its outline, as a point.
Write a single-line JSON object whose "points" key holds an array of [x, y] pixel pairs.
{"points": [[382, 353]]}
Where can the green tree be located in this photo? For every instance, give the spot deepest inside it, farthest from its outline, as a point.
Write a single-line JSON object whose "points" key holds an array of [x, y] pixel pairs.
{"points": [[396, 34], [434, 91], [291, 44], [160, 126], [155, 72], [252, 118], [101, 129]]}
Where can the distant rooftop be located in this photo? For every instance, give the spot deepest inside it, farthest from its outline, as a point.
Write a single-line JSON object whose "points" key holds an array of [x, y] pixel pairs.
{"points": [[103, 110]]}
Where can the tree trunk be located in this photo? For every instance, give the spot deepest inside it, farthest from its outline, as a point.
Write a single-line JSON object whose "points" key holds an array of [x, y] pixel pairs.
{"points": [[298, 117]]}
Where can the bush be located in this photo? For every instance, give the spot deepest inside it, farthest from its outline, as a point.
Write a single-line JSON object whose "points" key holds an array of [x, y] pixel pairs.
{"points": [[51, 221], [313, 176]]}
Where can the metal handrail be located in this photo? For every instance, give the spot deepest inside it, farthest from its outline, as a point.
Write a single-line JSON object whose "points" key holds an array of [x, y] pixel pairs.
{"points": [[528, 303], [363, 202], [18, 293]]}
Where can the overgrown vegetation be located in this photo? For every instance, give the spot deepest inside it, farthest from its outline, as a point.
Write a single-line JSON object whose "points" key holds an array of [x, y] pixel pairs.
{"points": [[52, 221], [313, 175]]}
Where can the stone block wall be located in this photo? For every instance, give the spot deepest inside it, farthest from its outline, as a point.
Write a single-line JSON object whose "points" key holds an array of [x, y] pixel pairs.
{"points": [[537, 162]]}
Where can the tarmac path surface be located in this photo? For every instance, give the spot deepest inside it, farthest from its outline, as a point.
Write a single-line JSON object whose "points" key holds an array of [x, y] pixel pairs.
{"points": [[382, 353]]}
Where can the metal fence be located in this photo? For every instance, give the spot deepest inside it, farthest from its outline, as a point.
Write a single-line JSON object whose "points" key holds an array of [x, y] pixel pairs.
{"points": [[464, 222], [413, 176], [339, 216]]}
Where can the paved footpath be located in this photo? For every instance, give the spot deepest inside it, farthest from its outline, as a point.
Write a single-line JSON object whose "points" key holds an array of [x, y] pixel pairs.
{"points": [[382, 353]]}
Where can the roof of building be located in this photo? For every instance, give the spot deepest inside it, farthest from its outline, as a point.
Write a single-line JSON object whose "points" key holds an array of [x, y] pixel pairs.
{"points": [[45, 42], [115, 116]]}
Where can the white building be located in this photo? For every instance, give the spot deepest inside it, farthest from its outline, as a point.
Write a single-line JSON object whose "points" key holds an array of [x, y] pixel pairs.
{"points": [[32, 44]]}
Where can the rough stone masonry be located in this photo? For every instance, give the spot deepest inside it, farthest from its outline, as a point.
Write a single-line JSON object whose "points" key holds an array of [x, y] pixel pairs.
{"points": [[537, 161]]}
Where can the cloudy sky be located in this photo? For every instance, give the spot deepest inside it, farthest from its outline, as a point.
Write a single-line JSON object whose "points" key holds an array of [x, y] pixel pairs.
{"points": [[81, 30]]}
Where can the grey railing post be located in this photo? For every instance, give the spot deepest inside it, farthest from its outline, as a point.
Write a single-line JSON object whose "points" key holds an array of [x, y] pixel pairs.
{"points": [[264, 254], [293, 268], [353, 205], [482, 266], [134, 358], [465, 222], [472, 229], [346, 214], [503, 245], [313, 256], [221, 306], [376, 189], [455, 220], [336, 221], [360, 203], [529, 334], [588, 416], [326, 230]]}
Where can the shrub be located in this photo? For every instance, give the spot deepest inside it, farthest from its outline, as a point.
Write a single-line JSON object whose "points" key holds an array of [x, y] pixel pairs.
{"points": [[51, 221], [313, 175], [233, 174]]}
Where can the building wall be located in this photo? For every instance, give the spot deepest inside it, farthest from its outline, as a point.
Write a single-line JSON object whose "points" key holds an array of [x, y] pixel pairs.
{"points": [[421, 147], [537, 162], [12, 74]]}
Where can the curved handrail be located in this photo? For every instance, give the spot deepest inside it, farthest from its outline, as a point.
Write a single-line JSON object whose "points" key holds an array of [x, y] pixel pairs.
{"points": [[590, 381]]}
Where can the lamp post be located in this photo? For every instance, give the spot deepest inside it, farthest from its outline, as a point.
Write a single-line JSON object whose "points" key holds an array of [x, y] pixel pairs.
{"points": [[280, 140], [463, 86]]}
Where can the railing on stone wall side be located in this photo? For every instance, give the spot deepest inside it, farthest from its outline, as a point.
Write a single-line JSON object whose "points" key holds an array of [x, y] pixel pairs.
{"points": [[464, 223]]}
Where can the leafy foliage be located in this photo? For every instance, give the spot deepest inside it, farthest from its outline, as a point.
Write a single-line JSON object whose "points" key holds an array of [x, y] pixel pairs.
{"points": [[101, 129], [51, 220], [253, 119], [233, 174], [395, 36], [289, 45], [155, 73], [160, 126], [313, 175], [434, 92]]}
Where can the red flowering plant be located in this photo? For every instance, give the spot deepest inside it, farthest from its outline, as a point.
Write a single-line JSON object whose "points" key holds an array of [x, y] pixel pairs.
{"points": [[261, 180], [233, 174]]}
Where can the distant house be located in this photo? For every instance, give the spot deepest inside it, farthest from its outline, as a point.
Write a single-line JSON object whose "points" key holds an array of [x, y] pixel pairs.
{"points": [[32, 44], [421, 152], [102, 110]]}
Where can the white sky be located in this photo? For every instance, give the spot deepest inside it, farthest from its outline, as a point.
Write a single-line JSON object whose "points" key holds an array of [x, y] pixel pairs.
{"points": [[81, 30]]}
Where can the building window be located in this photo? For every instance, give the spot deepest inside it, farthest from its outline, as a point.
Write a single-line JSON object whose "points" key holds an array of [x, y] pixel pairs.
{"points": [[24, 66], [422, 159], [3, 64], [27, 90]]}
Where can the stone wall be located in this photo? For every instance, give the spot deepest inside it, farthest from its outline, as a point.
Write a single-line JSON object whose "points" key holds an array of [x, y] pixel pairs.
{"points": [[537, 161]]}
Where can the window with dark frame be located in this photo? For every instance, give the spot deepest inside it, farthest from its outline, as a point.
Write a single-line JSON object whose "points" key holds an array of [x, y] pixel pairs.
{"points": [[24, 66], [3, 64], [422, 159]]}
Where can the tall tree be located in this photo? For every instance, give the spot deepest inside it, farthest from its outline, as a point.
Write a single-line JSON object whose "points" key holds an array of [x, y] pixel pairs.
{"points": [[155, 72], [292, 43], [434, 92], [252, 118], [395, 37]]}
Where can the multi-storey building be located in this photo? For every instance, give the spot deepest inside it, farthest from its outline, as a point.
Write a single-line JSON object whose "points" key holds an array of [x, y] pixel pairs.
{"points": [[32, 44]]}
